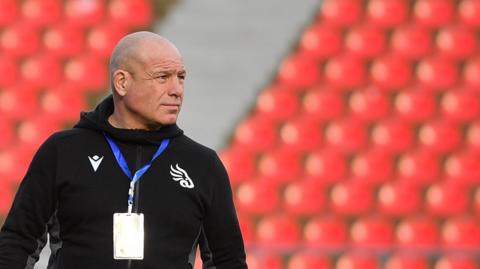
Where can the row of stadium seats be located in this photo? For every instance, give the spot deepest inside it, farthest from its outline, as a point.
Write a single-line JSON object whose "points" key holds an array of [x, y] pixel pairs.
{"points": [[367, 41], [395, 13], [327, 231], [355, 198], [356, 260], [83, 13], [389, 72], [413, 104]]}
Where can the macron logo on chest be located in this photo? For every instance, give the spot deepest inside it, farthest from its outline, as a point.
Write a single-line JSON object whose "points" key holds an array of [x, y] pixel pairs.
{"points": [[95, 161]]}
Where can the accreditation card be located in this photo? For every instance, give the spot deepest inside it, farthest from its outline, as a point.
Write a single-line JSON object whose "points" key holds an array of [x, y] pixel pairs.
{"points": [[128, 236]]}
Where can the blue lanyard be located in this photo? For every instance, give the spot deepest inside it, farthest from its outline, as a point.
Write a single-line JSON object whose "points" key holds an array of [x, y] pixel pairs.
{"points": [[139, 173]]}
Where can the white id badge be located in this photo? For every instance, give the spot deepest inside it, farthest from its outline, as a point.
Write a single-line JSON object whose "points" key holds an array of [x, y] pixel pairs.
{"points": [[128, 236]]}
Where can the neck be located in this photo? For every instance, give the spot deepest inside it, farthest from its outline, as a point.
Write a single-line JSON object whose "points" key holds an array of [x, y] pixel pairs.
{"points": [[120, 122]]}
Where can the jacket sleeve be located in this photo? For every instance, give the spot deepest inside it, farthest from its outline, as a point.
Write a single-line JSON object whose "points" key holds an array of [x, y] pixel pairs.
{"points": [[222, 231], [34, 203]]}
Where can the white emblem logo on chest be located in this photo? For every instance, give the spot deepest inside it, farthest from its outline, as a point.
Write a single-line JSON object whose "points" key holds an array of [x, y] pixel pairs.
{"points": [[181, 175], [95, 161]]}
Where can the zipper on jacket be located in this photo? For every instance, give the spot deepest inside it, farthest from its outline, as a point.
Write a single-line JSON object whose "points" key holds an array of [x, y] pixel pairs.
{"points": [[138, 164]]}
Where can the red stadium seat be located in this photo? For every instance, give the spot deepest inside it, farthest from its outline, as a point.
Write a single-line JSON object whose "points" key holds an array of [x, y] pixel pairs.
{"points": [[42, 70], [299, 71], [239, 163], [9, 12], [348, 134], [15, 160], [457, 42], [471, 72], [257, 197], [35, 11], [302, 134], [307, 260], [365, 41], [326, 165], [62, 105], [321, 41], [446, 199], [277, 103], [437, 72], [102, 38], [472, 137], [6, 198], [373, 231], [304, 198], [399, 198], [387, 13], [326, 231], [392, 135], [20, 39], [440, 136], [87, 71], [417, 232], [453, 261], [411, 41], [434, 13], [419, 167], [460, 105], [278, 231], [256, 133], [391, 72], [351, 198], [372, 166], [341, 12], [120, 11], [323, 103], [406, 261], [357, 260], [341, 67], [415, 105], [265, 261], [35, 131], [18, 102], [84, 12], [64, 39], [280, 165], [469, 12], [464, 166], [7, 133], [369, 104], [8, 69], [461, 233]]}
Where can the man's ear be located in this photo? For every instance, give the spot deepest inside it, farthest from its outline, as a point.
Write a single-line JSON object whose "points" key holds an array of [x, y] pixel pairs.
{"points": [[120, 81]]}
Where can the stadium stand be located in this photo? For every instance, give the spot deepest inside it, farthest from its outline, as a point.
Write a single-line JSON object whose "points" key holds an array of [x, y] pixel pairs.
{"points": [[363, 152]]}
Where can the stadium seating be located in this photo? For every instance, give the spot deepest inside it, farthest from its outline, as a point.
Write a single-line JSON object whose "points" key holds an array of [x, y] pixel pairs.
{"points": [[363, 153]]}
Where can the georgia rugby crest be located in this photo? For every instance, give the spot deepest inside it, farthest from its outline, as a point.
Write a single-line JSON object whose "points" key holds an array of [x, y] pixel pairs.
{"points": [[181, 175]]}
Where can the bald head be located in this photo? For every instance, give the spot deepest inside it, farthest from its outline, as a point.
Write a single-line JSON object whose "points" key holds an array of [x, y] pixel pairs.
{"points": [[134, 49]]}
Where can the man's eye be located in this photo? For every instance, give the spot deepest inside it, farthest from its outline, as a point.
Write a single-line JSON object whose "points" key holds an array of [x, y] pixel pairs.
{"points": [[182, 77], [161, 77]]}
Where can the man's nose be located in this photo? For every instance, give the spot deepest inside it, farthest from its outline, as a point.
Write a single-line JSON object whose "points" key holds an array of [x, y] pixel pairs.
{"points": [[176, 86]]}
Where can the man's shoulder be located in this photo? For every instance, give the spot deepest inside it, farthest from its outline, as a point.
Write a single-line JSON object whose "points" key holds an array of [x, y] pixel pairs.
{"points": [[69, 135], [184, 142]]}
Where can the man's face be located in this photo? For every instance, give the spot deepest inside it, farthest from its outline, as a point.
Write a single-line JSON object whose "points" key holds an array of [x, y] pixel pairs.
{"points": [[155, 87]]}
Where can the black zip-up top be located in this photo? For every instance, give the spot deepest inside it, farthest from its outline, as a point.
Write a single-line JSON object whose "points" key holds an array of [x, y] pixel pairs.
{"points": [[74, 185]]}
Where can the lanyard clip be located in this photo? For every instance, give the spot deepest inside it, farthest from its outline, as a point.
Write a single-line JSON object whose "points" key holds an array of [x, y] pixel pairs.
{"points": [[131, 191]]}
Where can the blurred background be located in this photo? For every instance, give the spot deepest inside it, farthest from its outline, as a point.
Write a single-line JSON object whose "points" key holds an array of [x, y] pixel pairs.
{"points": [[350, 128]]}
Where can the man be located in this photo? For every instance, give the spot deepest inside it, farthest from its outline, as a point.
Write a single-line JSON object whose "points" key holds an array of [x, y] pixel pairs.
{"points": [[125, 188]]}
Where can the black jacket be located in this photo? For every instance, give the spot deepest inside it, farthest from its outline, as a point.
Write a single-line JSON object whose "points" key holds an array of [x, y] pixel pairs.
{"points": [[62, 189]]}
